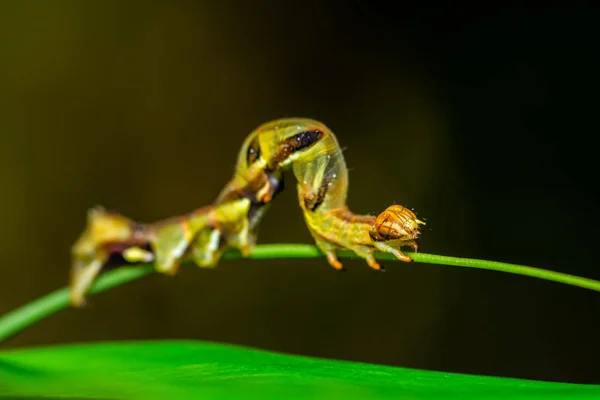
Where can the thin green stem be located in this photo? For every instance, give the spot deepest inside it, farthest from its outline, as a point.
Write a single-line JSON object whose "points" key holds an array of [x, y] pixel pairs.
{"points": [[24, 316]]}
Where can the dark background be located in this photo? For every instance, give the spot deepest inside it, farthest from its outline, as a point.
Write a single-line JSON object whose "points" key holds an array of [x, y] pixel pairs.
{"points": [[482, 120]]}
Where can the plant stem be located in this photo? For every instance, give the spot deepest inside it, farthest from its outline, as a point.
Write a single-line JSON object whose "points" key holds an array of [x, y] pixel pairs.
{"points": [[24, 316]]}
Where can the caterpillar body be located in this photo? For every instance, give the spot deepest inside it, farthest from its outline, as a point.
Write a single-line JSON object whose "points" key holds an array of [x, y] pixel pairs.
{"points": [[305, 146]]}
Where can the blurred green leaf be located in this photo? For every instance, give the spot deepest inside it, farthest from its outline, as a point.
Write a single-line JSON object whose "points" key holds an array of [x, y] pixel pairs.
{"points": [[200, 370]]}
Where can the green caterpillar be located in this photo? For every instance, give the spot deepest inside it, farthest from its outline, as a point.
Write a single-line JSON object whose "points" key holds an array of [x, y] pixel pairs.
{"points": [[305, 146]]}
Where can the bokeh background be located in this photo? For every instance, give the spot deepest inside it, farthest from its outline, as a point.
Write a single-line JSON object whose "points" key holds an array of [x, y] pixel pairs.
{"points": [[483, 121]]}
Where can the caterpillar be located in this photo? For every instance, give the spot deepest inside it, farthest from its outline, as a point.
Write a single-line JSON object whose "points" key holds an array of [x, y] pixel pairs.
{"points": [[305, 146]]}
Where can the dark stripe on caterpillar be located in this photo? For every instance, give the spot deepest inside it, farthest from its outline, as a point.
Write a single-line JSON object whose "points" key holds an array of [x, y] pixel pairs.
{"points": [[313, 201], [293, 144]]}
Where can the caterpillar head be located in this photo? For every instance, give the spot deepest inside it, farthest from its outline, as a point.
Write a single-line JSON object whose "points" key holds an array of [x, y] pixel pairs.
{"points": [[396, 223]]}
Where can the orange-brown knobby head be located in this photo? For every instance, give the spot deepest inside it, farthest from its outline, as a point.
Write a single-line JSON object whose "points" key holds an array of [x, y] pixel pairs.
{"points": [[396, 223]]}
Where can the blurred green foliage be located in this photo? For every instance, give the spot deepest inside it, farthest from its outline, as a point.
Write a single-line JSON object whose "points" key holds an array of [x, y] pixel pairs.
{"points": [[188, 369]]}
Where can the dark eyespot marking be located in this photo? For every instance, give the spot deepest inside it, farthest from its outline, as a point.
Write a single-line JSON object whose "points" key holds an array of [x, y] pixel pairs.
{"points": [[253, 152], [305, 139], [293, 144]]}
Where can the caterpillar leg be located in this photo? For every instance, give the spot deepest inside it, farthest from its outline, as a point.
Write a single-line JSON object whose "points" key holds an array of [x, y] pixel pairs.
{"points": [[362, 251], [366, 253], [329, 250], [333, 260], [386, 248], [372, 262]]}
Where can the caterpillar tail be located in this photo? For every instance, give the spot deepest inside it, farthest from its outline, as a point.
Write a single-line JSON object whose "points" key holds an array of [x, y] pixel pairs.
{"points": [[110, 239]]}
